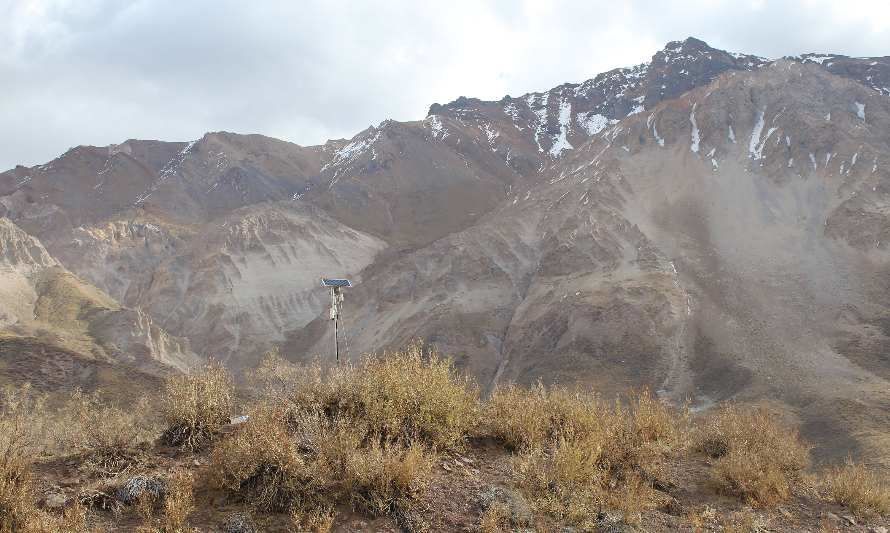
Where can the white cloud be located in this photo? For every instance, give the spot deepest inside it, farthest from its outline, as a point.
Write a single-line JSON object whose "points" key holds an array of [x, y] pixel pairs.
{"points": [[100, 71]]}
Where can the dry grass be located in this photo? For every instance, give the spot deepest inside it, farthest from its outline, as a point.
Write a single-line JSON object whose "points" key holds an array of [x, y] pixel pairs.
{"points": [[367, 436], [104, 434], [525, 418], [863, 491], [414, 396], [408, 396], [363, 435], [578, 455], [179, 502], [756, 457], [196, 405], [313, 520], [312, 463], [495, 519], [744, 521], [23, 426]]}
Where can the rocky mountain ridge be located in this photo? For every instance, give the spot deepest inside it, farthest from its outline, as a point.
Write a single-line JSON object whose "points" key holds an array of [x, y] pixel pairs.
{"points": [[59, 331], [708, 224]]}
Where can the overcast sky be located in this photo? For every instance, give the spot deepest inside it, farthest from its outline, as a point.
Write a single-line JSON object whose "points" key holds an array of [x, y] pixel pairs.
{"points": [[102, 71]]}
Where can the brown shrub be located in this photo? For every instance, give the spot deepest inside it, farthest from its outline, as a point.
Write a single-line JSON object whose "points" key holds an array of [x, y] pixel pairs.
{"points": [[196, 405], [104, 434], [282, 462], [278, 380], [179, 502], [16, 490], [754, 477], [495, 519], [525, 418], [314, 520], [407, 396], [17, 445], [744, 521], [23, 422], [586, 455], [757, 458], [863, 491]]}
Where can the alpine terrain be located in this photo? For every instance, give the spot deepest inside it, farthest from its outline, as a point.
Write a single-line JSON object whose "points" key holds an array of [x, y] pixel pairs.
{"points": [[709, 225]]}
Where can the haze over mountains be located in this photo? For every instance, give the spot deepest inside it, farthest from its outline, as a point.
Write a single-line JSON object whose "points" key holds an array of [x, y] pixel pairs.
{"points": [[709, 224]]}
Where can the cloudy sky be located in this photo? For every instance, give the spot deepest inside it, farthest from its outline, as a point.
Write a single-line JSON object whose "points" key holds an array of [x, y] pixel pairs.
{"points": [[101, 71]]}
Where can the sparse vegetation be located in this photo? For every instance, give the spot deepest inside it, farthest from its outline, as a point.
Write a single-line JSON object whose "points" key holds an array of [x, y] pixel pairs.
{"points": [[408, 396], [862, 490], [364, 435], [23, 427], [375, 438], [313, 463], [413, 396], [196, 405], [104, 434], [587, 456], [755, 456], [495, 519], [179, 502]]}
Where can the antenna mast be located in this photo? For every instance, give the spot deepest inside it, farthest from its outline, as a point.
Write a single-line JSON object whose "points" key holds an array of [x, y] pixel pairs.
{"points": [[336, 286]]}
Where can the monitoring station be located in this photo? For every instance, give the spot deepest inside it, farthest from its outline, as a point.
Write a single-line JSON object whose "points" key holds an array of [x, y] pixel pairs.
{"points": [[336, 286]]}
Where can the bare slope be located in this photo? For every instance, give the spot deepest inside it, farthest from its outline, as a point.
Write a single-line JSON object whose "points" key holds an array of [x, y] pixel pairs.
{"points": [[709, 224], [726, 244], [48, 310]]}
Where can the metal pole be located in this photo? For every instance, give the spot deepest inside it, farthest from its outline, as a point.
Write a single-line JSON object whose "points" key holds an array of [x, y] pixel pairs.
{"points": [[337, 338]]}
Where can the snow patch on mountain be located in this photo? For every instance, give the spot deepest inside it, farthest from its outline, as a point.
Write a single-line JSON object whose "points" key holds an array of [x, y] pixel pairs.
{"points": [[755, 134], [352, 151], [560, 140], [758, 152], [490, 133], [816, 59], [860, 110], [513, 112], [434, 124], [541, 114], [593, 123]]}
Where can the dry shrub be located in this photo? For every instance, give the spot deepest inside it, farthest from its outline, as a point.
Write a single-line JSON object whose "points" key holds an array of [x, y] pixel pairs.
{"points": [[282, 462], [587, 455], [756, 457], [104, 434], [179, 502], [313, 520], [278, 380], [744, 521], [407, 396], [495, 519], [263, 462], [17, 446], [17, 508], [196, 405], [523, 418], [23, 424], [863, 491], [380, 477]]}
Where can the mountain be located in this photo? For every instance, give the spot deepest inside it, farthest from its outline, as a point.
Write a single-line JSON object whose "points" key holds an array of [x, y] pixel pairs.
{"points": [[708, 224], [57, 331]]}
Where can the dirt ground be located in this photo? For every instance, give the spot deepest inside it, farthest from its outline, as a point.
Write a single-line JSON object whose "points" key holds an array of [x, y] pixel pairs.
{"points": [[455, 500]]}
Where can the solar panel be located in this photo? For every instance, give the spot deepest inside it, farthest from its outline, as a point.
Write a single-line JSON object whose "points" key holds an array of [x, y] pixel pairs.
{"points": [[325, 282]]}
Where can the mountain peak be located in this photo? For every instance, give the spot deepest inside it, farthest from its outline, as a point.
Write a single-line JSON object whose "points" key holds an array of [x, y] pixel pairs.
{"points": [[689, 43]]}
